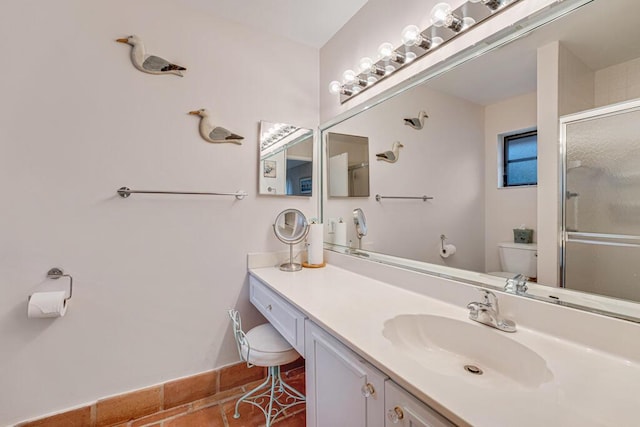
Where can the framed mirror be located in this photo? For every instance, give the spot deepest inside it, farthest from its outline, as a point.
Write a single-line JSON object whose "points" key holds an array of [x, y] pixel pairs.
{"points": [[286, 160], [482, 115], [347, 165]]}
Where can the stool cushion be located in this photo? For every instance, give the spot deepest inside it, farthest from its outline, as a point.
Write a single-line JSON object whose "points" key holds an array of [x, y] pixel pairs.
{"points": [[268, 347]]}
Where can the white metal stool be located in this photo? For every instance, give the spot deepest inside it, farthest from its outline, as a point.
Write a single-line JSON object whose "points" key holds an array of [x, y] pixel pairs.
{"points": [[264, 346]]}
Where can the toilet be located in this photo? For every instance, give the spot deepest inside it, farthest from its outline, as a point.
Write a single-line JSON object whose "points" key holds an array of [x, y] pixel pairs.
{"points": [[517, 258]]}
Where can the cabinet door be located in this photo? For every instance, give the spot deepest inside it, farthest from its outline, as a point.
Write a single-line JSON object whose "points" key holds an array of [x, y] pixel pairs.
{"points": [[342, 389], [404, 410]]}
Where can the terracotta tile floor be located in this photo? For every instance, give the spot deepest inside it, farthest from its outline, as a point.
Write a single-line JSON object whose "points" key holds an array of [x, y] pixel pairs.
{"points": [[217, 410]]}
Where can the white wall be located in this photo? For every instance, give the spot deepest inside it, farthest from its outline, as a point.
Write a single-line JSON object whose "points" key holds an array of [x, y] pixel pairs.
{"points": [[577, 90], [506, 208], [617, 83], [444, 160], [153, 275], [565, 86]]}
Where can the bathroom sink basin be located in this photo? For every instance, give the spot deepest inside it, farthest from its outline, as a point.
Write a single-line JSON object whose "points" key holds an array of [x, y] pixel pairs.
{"points": [[473, 352]]}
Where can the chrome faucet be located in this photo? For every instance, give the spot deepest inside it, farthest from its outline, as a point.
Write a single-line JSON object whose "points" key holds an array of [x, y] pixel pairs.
{"points": [[517, 284], [488, 312]]}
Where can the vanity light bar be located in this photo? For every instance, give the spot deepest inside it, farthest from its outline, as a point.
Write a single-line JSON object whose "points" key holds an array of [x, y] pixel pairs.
{"points": [[447, 23]]}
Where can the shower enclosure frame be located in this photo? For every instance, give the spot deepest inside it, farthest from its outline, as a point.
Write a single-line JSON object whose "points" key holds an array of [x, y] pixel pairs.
{"points": [[564, 235]]}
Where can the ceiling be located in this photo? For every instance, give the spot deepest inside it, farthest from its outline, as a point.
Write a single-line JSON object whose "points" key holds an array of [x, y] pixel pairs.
{"points": [[308, 22]]}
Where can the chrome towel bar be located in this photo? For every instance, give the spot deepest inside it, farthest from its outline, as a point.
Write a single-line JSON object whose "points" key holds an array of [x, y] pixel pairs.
{"points": [[125, 192], [423, 198]]}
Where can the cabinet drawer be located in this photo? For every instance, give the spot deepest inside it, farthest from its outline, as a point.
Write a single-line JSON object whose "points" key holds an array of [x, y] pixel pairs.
{"points": [[283, 316], [404, 410]]}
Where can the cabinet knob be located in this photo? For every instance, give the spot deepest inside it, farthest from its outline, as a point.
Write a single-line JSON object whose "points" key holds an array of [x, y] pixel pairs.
{"points": [[395, 415], [269, 307], [368, 390]]}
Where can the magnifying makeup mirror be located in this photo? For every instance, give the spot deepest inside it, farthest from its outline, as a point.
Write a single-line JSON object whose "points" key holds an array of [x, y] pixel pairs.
{"points": [[361, 225], [291, 227]]}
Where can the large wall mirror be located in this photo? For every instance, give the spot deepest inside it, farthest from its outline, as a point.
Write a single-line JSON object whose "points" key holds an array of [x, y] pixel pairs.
{"points": [[497, 115], [286, 160]]}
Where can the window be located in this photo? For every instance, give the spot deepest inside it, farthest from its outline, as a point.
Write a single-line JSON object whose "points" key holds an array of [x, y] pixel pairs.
{"points": [[520, 159]]}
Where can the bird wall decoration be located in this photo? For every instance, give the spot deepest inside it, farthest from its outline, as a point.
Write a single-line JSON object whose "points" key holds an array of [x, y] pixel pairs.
{"points": [[149, 63], [213, 133], [391, 156], [417, 122]]}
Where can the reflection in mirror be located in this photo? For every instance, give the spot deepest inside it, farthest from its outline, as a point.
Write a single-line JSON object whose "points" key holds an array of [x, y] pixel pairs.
{"points": [[348, 165], [601, 194], [286, 159], [589, 58], [291, 227], [361, 225]]}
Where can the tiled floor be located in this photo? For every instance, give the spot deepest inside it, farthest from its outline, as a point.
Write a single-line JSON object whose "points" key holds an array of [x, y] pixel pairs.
{"points": [[217, 410]]}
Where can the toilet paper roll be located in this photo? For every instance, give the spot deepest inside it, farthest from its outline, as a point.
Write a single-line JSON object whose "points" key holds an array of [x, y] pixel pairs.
{"points": [[314, 250], [47, 304], [447, 251], [340, 236]]}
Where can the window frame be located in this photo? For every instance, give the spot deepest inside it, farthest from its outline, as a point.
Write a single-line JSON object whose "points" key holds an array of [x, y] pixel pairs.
{"points": [[505, 139]]}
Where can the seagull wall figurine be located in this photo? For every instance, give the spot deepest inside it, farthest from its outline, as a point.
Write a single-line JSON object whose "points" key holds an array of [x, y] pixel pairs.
{"points": [[149, 63], [417, 122], [391, 156], [213, 133]]}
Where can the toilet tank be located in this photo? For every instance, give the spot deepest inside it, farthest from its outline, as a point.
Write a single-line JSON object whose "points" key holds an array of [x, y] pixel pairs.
{"points": [[519, 258]]}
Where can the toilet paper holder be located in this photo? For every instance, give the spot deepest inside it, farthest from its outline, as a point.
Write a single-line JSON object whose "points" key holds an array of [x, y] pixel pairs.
{"points": [[56, 273], [442, 239]]}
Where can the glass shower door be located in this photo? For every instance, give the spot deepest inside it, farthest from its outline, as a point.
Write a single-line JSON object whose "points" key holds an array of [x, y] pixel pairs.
{"points": [[601, 201]]}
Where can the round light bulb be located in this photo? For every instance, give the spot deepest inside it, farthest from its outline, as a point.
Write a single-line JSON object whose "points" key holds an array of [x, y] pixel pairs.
{"points": [[371, 80], [440, 13], [385, 50], [410, 35], [409, 56], [335, 87], [349, 77], [467, 22], [436, 41], [366, 64], [389, 69]]}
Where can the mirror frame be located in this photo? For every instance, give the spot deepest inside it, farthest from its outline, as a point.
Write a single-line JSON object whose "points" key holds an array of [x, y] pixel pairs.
{"points": [[502, 38]]}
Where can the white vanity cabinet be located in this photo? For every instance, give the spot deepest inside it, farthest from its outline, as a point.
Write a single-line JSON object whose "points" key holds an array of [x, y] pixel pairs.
{"points": [[283, 316], [404, 410], [342, 388]]}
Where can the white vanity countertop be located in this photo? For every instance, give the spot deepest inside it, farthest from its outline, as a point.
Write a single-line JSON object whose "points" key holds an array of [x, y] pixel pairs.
{"points": [[587, 387]]}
